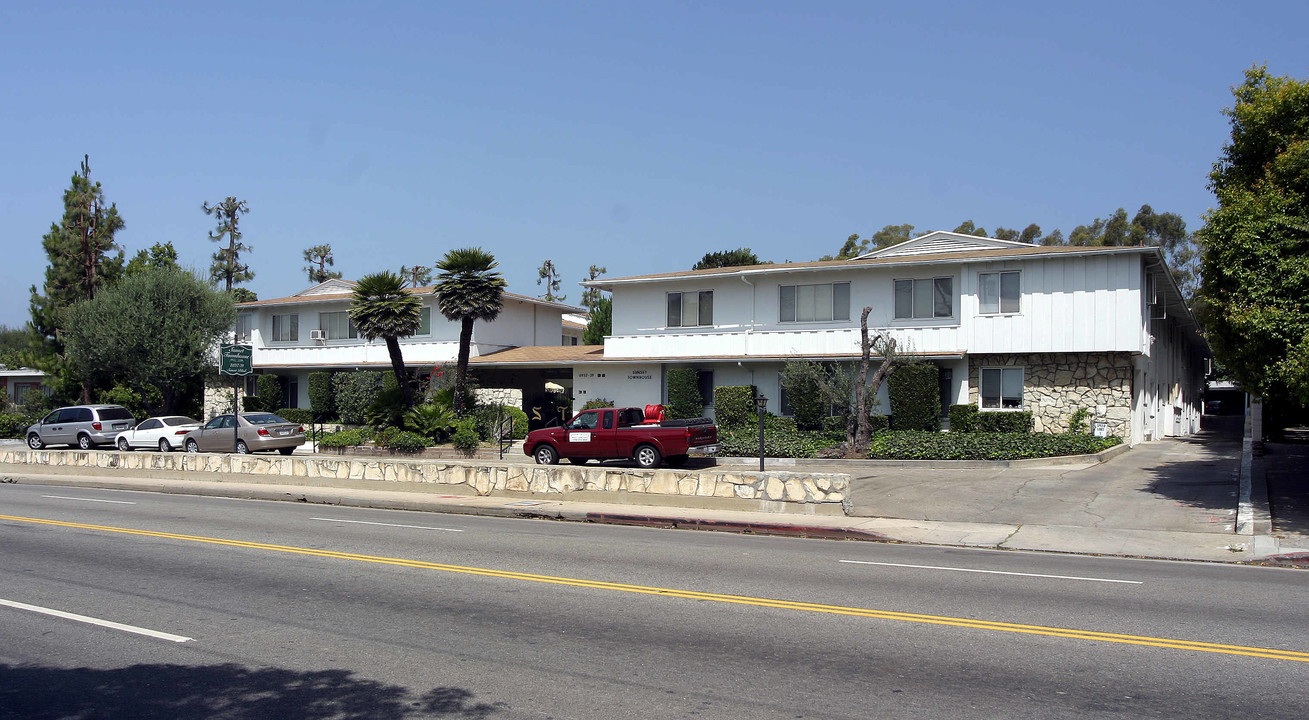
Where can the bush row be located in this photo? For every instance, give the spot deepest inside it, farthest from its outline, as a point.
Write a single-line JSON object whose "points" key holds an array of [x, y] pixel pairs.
{"points": [[910, 445], [781, 439], [968, 419]]}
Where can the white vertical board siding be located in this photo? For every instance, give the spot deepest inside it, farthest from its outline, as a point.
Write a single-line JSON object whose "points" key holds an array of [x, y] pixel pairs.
{"points": [[1075, 304]]}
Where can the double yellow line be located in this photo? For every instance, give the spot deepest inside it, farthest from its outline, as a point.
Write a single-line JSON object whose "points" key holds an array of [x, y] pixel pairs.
{"points": [[1147, 641]]}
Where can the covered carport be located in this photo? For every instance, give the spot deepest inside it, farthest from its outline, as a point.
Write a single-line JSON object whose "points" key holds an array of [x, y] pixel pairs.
{"points": [[542, 373]]}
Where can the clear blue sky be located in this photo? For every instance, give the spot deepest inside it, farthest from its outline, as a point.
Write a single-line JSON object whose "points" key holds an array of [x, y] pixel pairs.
{"points": [[636, 136]]}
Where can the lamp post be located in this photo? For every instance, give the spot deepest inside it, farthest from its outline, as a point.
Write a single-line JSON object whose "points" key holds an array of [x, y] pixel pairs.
{"points": [[761, 402]]}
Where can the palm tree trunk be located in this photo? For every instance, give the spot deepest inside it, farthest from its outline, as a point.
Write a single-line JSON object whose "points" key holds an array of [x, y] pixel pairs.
{"points": [[461, 369], [398, 367]]}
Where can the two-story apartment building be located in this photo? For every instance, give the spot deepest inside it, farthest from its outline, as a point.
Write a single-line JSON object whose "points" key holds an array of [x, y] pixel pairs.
{"points": [[311, 331], [1012, 326]]}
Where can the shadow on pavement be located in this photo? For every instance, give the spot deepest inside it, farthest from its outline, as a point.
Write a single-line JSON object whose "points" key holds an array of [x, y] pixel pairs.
{"points": [[226, 691], [1286, 467], [1211, 481]]}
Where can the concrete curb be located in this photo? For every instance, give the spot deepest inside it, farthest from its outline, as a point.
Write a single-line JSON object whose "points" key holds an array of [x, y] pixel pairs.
{"points": [[1092, 459]]}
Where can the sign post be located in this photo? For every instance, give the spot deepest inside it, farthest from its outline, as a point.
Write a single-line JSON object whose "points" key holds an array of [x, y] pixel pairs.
{"points": [[235, 360]]}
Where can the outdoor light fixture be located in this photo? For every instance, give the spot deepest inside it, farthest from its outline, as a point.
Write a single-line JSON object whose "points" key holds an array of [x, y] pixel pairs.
{"points": [[761, 402]]}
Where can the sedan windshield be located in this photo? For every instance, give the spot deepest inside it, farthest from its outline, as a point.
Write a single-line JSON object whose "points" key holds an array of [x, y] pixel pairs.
{"points": [[263, 419]]}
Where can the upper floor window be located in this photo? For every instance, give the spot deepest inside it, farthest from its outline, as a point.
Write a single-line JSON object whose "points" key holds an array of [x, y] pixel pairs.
{"points": [[929, 298], [286, 328], [337, 326], [808, 303], [691, 309], [424, 322], [998, 292], [1002, 388], [245, 325]]}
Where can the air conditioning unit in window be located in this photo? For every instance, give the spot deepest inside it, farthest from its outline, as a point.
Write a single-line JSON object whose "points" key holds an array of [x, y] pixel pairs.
{"points": [[317, 334]]}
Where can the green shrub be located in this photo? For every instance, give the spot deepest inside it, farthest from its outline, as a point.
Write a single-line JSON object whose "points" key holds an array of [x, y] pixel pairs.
{"points": [[296, 415], [387, 409], [407, 442], [250, 403], [684, 400], [13, 425], [781, 439], [1077, 421], [915, 395], [597, 403], [347, 438], [485, 416], [433, 420], [1015, 421], [879, 423], [355, 391], [128, 398], [322, 401], [911, 445], [734, 405], [269, 389], [963, 418], [465, 437]]}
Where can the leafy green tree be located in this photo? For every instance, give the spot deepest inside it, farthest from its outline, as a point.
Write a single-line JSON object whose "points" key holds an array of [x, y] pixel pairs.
{"points": [[591, 296], [468, 289], [550, 276], [160, 255], [320, 258], [383, 307], [729, 258], [227, 265], [1030, 234], [1255, 281], [244, 295], [416, 276], [968, 228], [153, 329], [84, 257], [601, 323], [1055, 238], [855, 246]]}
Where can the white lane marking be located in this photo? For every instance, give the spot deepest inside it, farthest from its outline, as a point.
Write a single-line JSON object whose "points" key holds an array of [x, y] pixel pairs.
{"points": [[994, 572], [97, 621], [363, 522], [61, 497]]}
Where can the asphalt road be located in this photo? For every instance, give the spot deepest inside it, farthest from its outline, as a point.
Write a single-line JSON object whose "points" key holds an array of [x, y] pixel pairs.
{"points": [[246, 609]]}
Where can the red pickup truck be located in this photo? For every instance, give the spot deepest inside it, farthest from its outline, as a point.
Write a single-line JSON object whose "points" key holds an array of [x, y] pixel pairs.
{"points": [[621, 433]]}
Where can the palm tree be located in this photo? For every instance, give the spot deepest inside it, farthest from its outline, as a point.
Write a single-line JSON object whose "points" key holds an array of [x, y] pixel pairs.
{"points": [[466, 290], [382, 307]]}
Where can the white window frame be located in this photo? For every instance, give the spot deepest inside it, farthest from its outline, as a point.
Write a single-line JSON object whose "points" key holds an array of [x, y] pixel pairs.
{"points": [[244, 321], [352, 333], [1002, 369], [426, 310], [682, 307], [999, 288], [797, 290], [293, 322], [913, 294]]}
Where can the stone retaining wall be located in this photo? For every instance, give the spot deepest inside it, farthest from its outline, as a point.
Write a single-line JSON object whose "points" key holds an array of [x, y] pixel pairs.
{"points": [[799, 492]]}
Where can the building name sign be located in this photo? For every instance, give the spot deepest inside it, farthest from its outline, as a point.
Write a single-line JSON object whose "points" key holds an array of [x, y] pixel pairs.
{"points": [[639, 375]]}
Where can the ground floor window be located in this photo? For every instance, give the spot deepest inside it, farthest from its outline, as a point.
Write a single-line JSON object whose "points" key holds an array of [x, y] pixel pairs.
{"points": [[1002, 388]]}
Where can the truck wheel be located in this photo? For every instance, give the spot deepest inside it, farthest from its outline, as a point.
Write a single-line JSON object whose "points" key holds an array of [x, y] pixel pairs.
{"points": [[647, 456], [545, 455]]}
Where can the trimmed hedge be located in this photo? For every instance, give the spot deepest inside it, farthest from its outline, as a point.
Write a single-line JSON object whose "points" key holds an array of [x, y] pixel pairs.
{"points": [[734, 405], [296, 415], [1014, 421], [322, 401], [915, 393], [485, 418], [346, 438], [808, 406], [983, 446], [355, 392], [963, 418], [684, 400], [781, 439], [269, 389]]}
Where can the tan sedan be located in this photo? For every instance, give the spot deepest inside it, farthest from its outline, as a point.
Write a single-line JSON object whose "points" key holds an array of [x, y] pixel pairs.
{"points": [[257, 431]]}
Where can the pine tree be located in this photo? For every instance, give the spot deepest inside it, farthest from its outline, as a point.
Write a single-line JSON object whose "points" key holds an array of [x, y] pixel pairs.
{"points": [[320, 258], [227, 265]]}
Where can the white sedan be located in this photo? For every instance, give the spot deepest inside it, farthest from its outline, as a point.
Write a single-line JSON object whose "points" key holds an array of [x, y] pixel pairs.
{"points": [[165, 433]]}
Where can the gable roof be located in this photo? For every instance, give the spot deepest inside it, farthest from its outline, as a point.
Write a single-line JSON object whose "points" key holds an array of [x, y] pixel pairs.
{"points": [[942, 241], [331, 286]]}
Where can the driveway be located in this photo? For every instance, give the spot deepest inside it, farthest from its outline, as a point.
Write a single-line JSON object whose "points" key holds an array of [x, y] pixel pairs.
{"points": [[1177, 484]]}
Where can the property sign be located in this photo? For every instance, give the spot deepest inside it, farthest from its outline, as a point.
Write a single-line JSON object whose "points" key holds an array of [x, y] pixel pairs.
{"points": [[236, 359], [1100, 429]]}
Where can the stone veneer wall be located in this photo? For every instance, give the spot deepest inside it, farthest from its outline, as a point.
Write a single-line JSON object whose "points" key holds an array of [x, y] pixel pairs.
{"points": [[1055, 385], [799, 492]]}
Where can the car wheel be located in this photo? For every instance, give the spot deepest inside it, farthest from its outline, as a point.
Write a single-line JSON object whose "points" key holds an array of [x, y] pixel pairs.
{"points": [[286, 451], [164, 446], [546, 455], [34, 441], [192, 446], [242, 448], [84, 442], [123, 446], [648, 457]]}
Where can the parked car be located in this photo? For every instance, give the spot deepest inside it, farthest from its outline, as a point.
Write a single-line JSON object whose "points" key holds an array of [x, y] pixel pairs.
{"points": [[622, 433], [256, 432], [83, 426], [165, 432]]}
